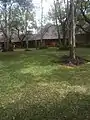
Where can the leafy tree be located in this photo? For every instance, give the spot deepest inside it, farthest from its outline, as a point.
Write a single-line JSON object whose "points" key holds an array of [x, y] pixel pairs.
{"points": [[23, 22], [65, 18], [5, 8], [85, 15], [16, 15], [58, 15]]}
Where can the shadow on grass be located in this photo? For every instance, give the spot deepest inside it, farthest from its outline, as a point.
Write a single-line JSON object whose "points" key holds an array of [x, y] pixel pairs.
{"points": [[34, 102], [73, 76], [20, 58], [74, 106]]}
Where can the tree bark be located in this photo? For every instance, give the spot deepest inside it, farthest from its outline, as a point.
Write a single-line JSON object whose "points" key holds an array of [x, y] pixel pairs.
{"points": [[83, 13], [72, 40], [67, 20], [41, 42], [9, 30], [57, 26], [21, 38], [26, 29], [5, 31]]}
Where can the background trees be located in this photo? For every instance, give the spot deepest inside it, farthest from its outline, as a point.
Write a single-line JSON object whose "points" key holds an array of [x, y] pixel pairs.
{"points": [[16, 17], [70, 16], [58, 16]]}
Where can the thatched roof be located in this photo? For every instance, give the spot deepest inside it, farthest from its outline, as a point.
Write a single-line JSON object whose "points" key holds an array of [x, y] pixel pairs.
{"points": [[49, 32], [15, 37]]}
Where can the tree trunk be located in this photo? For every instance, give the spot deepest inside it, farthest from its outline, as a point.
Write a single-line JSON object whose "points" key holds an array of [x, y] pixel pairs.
{"points": [[58, 31], [9, 30], [5, 40], [36, 44], [59, 38], [64, 39], [67, 19], [26, 28], [72, 40], [57, 26], [41, 42], [64, 31], [26, 42], [19, 37]]}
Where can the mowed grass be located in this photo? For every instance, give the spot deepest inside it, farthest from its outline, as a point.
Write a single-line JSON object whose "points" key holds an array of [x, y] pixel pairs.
{"points": [[35, 86]]}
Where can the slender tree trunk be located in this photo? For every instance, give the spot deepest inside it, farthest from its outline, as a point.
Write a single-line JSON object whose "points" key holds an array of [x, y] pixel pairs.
{"points": [[27, 43], [41, 22], [57, 26], [67, 15], [58, 31], [36, 44], [64, 34], [26, 29], [9, 20], [5, 40], [64, 38], [9, 32], [73, 44], [19, 37], [67, 20]]}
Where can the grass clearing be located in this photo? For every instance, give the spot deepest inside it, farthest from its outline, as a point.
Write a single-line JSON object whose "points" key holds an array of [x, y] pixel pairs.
{"points": [[35, 87]]}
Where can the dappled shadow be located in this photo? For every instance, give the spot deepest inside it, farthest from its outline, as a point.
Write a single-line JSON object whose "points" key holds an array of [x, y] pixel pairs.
{"points": [[42, 57], [74, 106], [33, 57], [74, 76], [58, 73], [13, 86], [34, 87]]}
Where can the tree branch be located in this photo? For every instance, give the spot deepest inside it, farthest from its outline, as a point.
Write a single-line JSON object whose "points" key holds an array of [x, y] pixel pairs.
{"points": [[82, 28], [83, 13], [2, 28], [21, 39]]}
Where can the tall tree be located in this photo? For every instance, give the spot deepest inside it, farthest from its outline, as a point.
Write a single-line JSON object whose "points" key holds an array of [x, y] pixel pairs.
{"points": [[41, 22], [4, 4], [16, 15], [26, 7], [73, 42], [57, 26], [58, 14]]}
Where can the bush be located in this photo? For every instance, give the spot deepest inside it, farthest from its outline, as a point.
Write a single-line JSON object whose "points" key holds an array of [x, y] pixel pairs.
{"points": [[4, 50], [10, 48], [63, 47], [28, 50], [43, 47]]}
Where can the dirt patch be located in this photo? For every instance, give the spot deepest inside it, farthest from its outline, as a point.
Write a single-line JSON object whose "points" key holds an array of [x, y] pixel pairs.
{"points": [[66, 60]]}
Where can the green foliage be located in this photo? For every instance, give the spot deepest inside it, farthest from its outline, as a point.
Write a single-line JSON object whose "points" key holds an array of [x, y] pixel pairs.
{"points": [[19, 19], [62, 47], [60, 12], [16, 14], [81, 20]]}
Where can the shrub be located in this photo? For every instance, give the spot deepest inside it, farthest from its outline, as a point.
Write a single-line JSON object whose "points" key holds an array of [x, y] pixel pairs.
{"points": [[63, 47], [43, 47], [28, 50]]}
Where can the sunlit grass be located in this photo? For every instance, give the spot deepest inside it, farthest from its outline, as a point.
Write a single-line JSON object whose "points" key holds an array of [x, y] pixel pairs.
{"points": [[34, 87]]}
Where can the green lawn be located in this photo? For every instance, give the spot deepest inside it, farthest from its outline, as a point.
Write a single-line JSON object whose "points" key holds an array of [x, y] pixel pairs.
{"points": [[35, 86]]}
